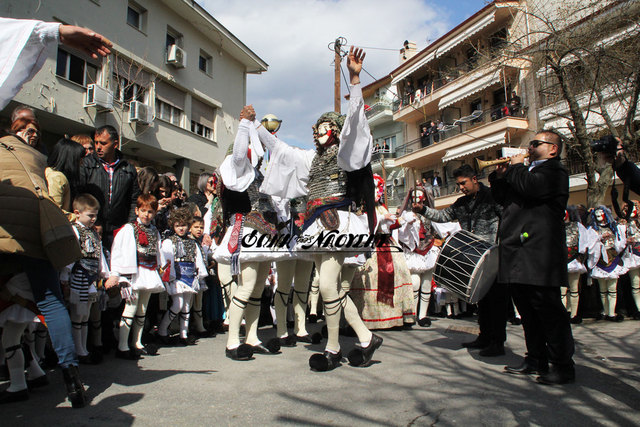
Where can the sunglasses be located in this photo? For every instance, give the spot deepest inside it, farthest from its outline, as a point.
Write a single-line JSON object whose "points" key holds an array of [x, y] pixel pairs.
{"points": [[536, 143]]}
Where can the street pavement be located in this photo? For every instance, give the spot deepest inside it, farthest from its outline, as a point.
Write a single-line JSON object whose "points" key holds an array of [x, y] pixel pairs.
{"points": [[419, 377]]}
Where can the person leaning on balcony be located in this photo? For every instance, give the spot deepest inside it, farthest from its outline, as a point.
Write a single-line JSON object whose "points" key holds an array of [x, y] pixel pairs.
{"points": [[425, 138], [436, 184], [514, 105], [434, 131]]}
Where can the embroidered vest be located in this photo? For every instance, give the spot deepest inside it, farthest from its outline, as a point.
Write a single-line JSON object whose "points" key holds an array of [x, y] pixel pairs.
{"points": [[147, 251]]}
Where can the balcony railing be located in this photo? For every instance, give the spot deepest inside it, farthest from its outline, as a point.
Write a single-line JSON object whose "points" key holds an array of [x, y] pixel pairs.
{"points": [[378, 107], [463, 124]]}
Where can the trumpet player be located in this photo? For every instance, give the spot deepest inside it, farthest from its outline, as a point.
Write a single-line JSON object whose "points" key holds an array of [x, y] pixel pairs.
{"points": [[533, 255], [478, 213]]}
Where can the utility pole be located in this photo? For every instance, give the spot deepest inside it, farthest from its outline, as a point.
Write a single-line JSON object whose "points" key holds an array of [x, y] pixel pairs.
{"points": [[336, 101]]}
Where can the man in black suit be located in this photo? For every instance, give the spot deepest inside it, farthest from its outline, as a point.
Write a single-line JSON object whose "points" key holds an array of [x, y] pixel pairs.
{"points": [[533, 255]]}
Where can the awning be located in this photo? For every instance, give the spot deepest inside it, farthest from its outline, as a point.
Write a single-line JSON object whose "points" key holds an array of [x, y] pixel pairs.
{"points": [[465, 90], [446, 47], [492, 140], [466, 34], [406, 73]]}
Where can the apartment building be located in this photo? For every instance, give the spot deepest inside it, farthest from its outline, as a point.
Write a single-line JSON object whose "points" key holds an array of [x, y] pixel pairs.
{"points": [[387, 134], [173, 85], [459, 99]]}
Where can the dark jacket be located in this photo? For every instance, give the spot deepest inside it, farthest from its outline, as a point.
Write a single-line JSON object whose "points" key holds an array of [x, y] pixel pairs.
{"points": [[94, 180], [200, 200], [479, 215], [531, 235], [629, 173]]}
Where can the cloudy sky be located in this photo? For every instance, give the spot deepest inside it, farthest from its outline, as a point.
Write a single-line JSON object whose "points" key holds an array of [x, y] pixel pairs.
{"points": [[292, 37]]}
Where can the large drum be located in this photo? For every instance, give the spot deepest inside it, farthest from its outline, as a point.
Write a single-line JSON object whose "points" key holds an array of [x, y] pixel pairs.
{"points": [[467, 265]]}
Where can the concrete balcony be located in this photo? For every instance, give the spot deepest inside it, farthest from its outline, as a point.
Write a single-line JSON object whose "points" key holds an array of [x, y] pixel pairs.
{"points": [[465, 139], [378, 113]]}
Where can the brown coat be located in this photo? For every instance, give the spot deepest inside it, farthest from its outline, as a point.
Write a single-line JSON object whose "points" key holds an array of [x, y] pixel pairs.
{"points": [[20, 225]]}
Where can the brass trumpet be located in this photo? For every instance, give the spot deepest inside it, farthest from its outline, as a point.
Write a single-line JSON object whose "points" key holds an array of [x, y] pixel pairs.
{"points": [[481, 164]]}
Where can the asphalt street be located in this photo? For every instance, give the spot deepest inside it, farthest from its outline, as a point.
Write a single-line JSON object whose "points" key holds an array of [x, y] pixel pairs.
{"points": [[419, 377]]}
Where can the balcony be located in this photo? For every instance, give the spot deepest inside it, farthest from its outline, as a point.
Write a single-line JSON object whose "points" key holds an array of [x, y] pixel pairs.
{"points": [[453, 85], [474, 133], [379, 112]]}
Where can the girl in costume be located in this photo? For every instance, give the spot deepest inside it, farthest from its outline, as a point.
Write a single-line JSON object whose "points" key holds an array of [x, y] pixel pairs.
{"points": [[187, 270], [382, 289], [605, 258], [577, 245]]}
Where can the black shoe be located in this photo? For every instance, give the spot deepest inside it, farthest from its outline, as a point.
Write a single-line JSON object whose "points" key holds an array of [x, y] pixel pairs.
{"points": [[271, 347], [516, 321], [610, 318], [636, 315], [96, 356], [127, 355], [493, 350], [14, 396], [4, 373], [315, 338], [163, 339], [526, 368], [557, 376], [243, 352], [149, 349], [313, 318], [75, 389], [477, 343], [361, 356], [41, 381], [618, 318], [425, 322], [576, 320], [189, 340], [209, 333], [85, 360], [288, 341], [599, 317], [323, 362]]}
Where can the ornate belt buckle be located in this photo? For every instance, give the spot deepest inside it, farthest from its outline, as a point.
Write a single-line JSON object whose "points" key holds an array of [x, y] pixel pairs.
{"points": [[334, 176]]}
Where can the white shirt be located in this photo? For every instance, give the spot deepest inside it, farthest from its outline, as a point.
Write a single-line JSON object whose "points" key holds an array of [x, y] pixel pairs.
{"points": [[24, 46]]}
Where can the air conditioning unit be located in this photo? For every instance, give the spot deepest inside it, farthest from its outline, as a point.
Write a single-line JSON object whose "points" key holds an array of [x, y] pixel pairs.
{"points": [[176, 56], [99, 97], [398, 181], [140, 112]]}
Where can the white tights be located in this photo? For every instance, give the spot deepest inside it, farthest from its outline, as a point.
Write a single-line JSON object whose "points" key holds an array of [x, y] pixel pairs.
{"points": [[314, 293], [608, 295], [11, 335], [180, 305], [335, 300], [299, 272], [572, 299], [228, 285], [132, 320], [421, 293], [246, 301], [80, 325], [634, 276]]}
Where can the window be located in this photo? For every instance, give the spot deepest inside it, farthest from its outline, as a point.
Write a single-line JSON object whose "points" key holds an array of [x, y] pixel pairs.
{"points": [[201, 130], [202, 118], [173, 37], [171, 40], [75, 69], [136, 16], [169, 113], [126, 91], [204, 62]]}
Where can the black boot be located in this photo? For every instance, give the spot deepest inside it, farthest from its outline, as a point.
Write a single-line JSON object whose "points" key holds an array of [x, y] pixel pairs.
{"points": [[75, 389]]}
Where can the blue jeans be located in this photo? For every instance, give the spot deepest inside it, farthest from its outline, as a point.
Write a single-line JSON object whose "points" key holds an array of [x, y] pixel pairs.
{"points": [[45, 285]]}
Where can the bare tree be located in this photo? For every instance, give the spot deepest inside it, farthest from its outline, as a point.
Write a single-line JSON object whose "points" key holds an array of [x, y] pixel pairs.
{"points": [[584, 59]]}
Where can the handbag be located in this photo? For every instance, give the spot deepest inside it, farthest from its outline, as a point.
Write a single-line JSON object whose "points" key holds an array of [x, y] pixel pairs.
{"points": [[58, 239]]}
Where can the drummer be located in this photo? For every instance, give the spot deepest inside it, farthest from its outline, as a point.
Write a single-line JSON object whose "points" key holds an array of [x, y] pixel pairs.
{"points": [[478, 213]]}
